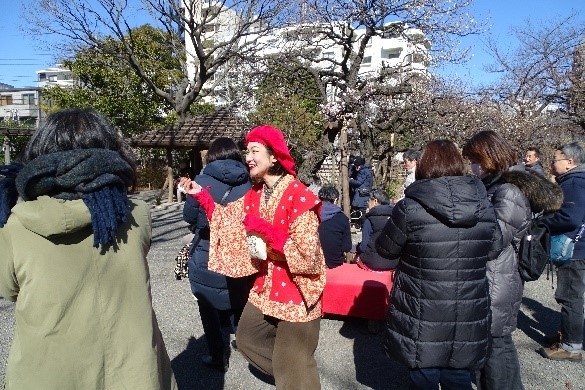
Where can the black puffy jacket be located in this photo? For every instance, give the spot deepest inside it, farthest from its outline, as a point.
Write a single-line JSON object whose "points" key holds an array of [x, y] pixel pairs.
{"points": [[444, 231]]}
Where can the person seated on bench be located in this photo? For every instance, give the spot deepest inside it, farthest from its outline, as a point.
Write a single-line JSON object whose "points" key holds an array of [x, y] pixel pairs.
{"points": [[379, 211], [334, 230]]}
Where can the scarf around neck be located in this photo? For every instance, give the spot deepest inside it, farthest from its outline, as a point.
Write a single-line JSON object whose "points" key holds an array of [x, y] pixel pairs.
{"points": [[98, 176]]}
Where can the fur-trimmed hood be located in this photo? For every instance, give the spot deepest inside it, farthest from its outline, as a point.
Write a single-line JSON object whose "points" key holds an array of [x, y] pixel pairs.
{"points": [[543, 194]]}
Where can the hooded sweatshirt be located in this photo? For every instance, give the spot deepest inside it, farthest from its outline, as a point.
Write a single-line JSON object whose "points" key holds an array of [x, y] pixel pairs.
{"points": [[334, 234]]}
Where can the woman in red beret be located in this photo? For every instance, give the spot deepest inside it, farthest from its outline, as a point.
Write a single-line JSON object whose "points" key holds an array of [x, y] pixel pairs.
{"points": [[279, 329]]}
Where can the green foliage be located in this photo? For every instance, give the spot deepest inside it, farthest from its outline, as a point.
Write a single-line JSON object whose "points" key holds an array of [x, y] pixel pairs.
{"points": [[109, 85], [288, 98]]}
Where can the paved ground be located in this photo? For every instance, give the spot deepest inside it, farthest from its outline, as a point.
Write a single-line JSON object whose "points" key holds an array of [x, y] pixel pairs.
{"points": [[348, 356]]}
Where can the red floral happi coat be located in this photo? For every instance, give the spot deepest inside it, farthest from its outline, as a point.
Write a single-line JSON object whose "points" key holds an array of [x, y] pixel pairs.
{"points": [[290, 288]]}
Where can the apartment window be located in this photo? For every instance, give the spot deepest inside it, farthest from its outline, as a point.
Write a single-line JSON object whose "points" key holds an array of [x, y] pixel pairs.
{"points": [[5, 100], [28, 99], [391, 35], [42, 76], [329, 55], [391, 54], [418, 58], [367, 60], [53, 79], [210, 28]]}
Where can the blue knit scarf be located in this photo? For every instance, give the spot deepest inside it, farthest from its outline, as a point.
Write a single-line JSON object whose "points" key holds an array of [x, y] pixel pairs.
{"points": [[98, 176]]}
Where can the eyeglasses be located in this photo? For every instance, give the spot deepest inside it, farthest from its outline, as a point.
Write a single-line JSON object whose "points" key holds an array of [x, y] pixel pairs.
{"points": [[561, 159]]}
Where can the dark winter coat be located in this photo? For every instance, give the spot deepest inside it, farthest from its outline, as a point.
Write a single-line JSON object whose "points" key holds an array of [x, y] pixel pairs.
{"points": [[334, 234], [537, 168], [363, 179], [444, 232], [217, 176], [514, 211], [571, 215], [375, 220]]}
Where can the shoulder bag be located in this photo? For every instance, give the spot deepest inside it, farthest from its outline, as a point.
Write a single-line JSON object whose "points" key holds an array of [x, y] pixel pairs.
{"points": [[562, 246]]}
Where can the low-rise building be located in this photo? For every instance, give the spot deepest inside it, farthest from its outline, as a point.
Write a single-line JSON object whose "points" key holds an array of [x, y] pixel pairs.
{"points": [[20, 105]]}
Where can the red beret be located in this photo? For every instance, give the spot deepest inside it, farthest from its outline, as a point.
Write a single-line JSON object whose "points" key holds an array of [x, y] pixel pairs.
{"points": [[274, 139]]}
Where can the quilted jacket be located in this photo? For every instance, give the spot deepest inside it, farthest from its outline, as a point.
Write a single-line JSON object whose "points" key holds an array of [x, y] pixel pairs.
{"points": [[444, 232]]}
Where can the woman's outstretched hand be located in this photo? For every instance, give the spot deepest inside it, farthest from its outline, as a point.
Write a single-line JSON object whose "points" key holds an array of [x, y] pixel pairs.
{"points": [[188, 186]]}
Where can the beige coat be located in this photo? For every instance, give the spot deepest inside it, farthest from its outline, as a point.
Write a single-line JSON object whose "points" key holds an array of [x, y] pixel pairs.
{"points": [[84, 317]]}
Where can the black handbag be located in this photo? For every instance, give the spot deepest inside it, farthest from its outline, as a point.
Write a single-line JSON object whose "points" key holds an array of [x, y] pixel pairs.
{"points": [[363, 191]]}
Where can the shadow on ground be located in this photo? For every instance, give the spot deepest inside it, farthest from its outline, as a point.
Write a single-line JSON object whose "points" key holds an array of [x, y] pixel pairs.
{"points": [[372, 367]]}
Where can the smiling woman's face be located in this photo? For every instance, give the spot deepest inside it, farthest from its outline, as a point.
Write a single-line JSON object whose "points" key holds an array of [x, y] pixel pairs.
{"points": [[258, 160]]}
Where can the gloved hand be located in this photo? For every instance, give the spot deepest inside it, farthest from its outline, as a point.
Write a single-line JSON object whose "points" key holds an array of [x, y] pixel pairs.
{"points": [[205, 201], [275, 238]]}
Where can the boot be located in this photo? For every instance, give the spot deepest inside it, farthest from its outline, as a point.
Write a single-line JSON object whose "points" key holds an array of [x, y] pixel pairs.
{"points": [[219, 363]]}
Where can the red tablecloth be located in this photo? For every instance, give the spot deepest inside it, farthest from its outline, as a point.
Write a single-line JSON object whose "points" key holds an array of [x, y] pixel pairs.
{"points": [[355, 292]]}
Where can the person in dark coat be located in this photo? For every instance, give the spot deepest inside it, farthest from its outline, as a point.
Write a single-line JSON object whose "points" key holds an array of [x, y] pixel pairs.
{"points": [[379, 211], [334, 229], [495, 162], [444, 232], [220, 299], [532, 160], [568, 166], [361, 185]]}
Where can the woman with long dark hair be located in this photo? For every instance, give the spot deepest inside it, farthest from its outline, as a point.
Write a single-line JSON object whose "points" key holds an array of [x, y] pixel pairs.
{"points": [[512, 191]]}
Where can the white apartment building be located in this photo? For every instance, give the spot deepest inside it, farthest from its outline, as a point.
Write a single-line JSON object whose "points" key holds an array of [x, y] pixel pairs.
{"points": [[55, 76], [20, 105], [403, 53]]}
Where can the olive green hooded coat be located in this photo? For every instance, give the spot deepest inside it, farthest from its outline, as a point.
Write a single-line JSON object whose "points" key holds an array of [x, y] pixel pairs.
{"points": [[84, 317]]}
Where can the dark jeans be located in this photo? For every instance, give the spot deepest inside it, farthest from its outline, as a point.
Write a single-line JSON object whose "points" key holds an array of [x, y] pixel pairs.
{"points": [[502, 370], [282, 349], [213, 320], [448, 378], [569, 294]]}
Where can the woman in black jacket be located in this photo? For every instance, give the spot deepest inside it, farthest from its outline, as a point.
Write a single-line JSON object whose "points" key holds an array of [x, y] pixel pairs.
{"points": [[444, 232], [220, 298], [507, 183]]}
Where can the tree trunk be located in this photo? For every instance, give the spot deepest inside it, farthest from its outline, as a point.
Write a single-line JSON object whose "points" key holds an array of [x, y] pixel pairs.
{"points": [[170, 174], [345, 201]]}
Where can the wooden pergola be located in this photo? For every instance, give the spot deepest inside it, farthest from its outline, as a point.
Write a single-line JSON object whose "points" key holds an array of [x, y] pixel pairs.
{"points": [[195, 134]]}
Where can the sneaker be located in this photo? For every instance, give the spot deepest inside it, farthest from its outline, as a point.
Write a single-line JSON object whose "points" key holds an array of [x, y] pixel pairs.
{"points": [[555, 352]]}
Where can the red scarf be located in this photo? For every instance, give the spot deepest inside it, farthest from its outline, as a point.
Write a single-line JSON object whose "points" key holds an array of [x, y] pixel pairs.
{"points": [[294, 201]]}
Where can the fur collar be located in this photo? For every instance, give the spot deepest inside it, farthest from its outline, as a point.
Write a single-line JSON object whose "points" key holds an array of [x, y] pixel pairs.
{"points": [[543, 194]]}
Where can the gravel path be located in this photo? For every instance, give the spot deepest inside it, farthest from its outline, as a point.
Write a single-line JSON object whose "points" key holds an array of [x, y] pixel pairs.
{"points": [[349, 357]]}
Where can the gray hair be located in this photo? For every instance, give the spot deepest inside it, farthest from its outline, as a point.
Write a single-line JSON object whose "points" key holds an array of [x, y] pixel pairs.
{"points": [[575, 151]]}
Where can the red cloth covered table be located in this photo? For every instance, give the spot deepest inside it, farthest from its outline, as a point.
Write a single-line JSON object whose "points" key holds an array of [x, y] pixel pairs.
{"points": [[355, 292]]}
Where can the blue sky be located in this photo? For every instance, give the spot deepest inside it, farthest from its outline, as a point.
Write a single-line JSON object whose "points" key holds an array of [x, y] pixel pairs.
{"points": [[21, 56]]}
